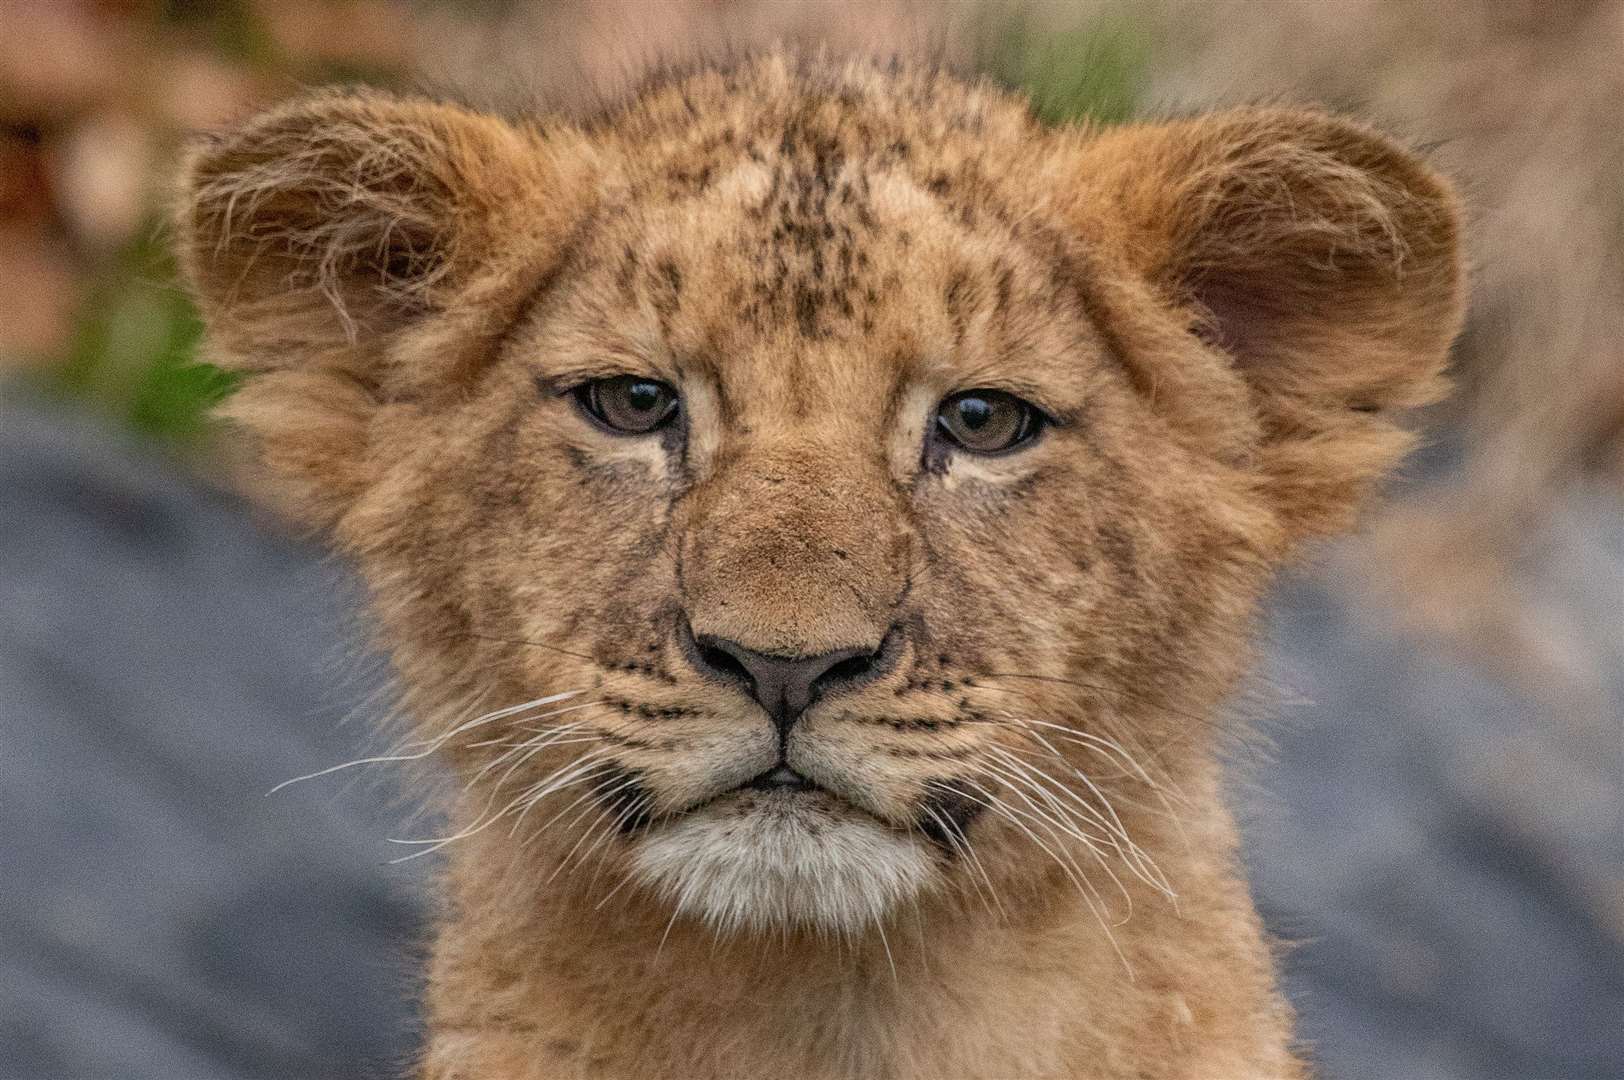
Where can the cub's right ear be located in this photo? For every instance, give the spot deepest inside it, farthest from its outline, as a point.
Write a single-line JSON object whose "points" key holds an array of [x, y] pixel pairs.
{"points": [[351, 248], [343, 216]]}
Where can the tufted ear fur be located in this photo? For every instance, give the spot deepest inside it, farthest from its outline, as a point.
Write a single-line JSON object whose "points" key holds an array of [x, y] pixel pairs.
{"points": [[1317, 255], [351, 249]]}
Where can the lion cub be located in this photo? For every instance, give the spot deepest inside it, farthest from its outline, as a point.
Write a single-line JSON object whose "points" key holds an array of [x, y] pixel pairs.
{"points": [[818, 513]]}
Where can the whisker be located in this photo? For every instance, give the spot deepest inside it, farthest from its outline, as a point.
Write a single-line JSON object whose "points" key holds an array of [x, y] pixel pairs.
{"points": [[571, 772], [541, 830], [956, 838], [1014, 816], [626, 879], [509, 744], [560, 778], [1204, 721], [519, 641], [658, 949], [1068, 866], [1068, 826], [889, 959], [1103, 745], [1104, 688], [511, 710], [431, 745], [1114, 828], [1132, 763], [602, 816], [530, 748], [1163, 806], [615, 782], [1116, 825], [1062, 815], [633, 806], [1138, 860], [1165, 795]]}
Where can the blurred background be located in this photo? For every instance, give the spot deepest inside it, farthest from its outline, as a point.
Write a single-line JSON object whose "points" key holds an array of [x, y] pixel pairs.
{"points": [[1434, 796]]}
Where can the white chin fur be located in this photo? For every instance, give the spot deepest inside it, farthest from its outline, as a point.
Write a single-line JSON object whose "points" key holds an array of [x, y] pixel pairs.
{"points": [[782, 863]]}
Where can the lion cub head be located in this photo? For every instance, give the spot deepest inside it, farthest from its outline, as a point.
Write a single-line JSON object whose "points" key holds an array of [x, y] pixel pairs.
{"points": [[808, 489]]}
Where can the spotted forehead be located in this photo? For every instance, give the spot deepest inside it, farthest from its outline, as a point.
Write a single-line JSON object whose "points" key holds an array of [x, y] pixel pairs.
{"points": [[767, 266], [810, 246]]}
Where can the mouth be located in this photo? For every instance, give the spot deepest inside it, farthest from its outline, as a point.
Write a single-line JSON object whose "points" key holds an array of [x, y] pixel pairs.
{"points": [[779, 789], [944, 818], [780, 778], [779, 785]]}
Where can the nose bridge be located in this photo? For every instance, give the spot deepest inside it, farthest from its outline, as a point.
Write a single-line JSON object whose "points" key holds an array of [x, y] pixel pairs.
{"points": [[795, 550]]}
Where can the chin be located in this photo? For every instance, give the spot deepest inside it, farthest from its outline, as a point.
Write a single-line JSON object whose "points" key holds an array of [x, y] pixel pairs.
{"points": [[766, 861]]}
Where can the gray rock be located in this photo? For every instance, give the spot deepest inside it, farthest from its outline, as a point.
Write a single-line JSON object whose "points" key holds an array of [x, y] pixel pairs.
{"points": [[1449, 856], [164, 661]]}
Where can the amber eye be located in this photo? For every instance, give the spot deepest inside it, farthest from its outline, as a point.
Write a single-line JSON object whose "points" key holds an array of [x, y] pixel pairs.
{"points": [[629, 404], [987, 421]]}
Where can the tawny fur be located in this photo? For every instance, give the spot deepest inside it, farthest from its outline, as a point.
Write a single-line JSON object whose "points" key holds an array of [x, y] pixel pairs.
{"points": [[1220, 313]]}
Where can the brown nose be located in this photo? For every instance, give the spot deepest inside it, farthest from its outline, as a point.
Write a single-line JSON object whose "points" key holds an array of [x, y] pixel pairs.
{"points": [[786, 686]]}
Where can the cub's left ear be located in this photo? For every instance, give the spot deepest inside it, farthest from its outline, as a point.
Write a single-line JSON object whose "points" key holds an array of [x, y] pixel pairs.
{"points": [[1317, 255]]}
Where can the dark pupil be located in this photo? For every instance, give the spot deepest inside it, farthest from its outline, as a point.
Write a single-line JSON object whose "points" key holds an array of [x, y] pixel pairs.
{"points": [[643, 396], [975, 413]]}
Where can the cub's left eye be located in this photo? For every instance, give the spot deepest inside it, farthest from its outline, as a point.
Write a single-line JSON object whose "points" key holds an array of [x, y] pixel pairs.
{"points": [[988, 421], [629, 404]]}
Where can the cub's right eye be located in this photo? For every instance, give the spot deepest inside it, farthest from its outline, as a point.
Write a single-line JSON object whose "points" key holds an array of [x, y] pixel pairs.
{"points": [[629, 404]]}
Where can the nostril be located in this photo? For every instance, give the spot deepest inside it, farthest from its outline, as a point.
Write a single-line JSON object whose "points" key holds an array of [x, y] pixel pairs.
{"points": [[720, 660], [854, 667]]}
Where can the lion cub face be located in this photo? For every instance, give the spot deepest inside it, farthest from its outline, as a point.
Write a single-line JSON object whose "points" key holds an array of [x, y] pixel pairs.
{"points": [[869, 489], [826, 498]]}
